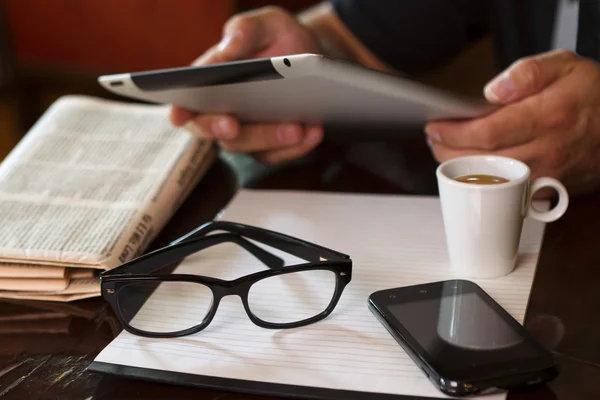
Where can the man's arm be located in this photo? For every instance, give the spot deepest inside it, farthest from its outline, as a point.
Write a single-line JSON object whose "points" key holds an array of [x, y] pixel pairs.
{"points": [[335, 39], [414, 36]]}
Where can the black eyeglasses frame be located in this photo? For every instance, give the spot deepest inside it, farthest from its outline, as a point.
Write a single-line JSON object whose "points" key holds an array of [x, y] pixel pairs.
{"points": [[139, 270]]}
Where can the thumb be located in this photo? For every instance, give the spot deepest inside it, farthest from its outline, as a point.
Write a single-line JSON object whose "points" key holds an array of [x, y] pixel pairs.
{"points": [[529, 76], [243, 37]]}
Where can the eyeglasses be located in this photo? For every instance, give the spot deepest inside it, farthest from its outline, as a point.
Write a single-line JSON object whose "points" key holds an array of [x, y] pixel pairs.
{"points": [[172, 305]]}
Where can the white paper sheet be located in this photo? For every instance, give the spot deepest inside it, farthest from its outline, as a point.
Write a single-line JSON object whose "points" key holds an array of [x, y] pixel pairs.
{"points": [[393, 241]]}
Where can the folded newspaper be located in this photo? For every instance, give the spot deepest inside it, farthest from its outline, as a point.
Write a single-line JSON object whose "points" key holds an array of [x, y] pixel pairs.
{"points": [[88, 187]]}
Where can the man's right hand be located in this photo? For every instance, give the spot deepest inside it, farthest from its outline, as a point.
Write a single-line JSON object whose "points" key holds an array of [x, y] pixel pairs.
{"points": [[267, 32]]}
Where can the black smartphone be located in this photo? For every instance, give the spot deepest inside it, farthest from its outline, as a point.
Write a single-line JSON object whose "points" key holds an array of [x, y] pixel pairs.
{"points": [[463, 340]]}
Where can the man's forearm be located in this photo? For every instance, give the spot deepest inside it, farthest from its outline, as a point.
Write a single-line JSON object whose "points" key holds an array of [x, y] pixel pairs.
{"points": [[336, 39]]}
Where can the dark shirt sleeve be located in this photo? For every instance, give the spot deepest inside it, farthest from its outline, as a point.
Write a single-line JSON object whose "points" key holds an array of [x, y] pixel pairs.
{"points": [[414, 35]]}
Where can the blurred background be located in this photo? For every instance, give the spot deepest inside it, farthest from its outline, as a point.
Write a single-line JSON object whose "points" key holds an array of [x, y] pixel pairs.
{"points": [[53, 47]]}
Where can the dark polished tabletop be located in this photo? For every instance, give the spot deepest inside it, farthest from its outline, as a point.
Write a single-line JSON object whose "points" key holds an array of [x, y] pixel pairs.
{"points": [[564, 310]]}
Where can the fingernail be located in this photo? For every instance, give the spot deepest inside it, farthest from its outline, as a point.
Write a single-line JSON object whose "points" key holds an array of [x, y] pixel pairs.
{"points": [[501, 89], [312, 136], [434, 136], [223, 128], [195, 129], [228, 39], [288, 134]]}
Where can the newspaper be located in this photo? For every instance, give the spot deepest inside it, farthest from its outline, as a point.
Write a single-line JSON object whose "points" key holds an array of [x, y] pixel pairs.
{"points": [[31, 271], [89, 187]]}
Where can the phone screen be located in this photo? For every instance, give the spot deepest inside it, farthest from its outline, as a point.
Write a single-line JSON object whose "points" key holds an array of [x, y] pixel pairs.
{"points": [[462, 333]]}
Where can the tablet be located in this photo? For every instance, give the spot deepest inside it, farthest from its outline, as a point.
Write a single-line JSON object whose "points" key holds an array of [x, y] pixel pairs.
{"points": [[306, 88]]}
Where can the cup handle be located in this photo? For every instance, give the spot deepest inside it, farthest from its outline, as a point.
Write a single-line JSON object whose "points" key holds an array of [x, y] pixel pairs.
{"points": [[558, 210]]}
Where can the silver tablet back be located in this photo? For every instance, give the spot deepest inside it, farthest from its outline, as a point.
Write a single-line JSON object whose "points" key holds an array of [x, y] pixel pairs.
{"points": [[301, 88]]}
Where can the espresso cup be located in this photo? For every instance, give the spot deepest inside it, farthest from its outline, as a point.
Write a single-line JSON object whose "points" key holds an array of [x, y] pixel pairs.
{"points": [[483, 223]]}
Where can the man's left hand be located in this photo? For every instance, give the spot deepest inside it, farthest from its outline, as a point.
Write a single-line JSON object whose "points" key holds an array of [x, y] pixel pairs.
{"points": [[549, 118]]}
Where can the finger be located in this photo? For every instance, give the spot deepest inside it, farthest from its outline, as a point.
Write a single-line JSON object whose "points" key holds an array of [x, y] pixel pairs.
{"points": [[261, 137], [532, 154], [529, 75], [221, 127], [242, 38], [211, 56], [444, 153], [510, 126], [179, 116], [248, 33], [312, 138]]}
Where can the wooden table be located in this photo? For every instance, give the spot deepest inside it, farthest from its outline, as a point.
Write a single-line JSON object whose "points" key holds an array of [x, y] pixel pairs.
{"points": [[564, 310]]}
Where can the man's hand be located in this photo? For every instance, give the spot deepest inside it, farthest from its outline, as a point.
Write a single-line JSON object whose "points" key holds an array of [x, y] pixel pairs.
{"points": [[267, 32], [550, 119]]}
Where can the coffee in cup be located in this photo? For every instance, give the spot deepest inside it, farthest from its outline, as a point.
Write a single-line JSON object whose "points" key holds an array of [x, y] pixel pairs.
{"points": [[481, 179]]}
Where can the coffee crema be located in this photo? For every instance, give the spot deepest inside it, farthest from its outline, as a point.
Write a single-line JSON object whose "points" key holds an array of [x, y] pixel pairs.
{"points": [[480, 179]]}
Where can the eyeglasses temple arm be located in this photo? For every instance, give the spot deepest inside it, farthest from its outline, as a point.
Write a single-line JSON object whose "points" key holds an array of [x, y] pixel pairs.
{"points": [[300, 248], [173, 253]]}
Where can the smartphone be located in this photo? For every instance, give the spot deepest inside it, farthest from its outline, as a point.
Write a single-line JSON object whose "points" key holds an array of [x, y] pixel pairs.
{"points": [[463, 340]]}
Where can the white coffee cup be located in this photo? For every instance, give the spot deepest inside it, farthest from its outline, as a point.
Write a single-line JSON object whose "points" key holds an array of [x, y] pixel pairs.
{"points": [[483, 223]]}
